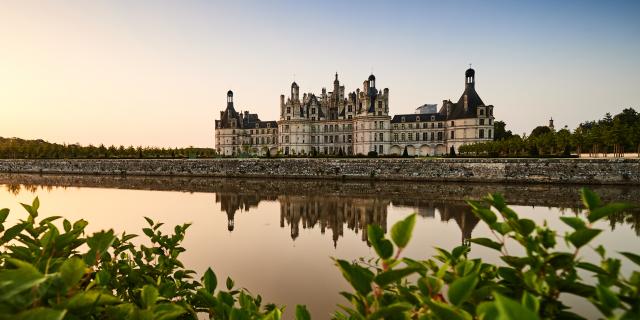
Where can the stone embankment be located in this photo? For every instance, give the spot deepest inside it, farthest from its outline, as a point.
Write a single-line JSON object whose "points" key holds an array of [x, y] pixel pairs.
{"points": [[570, 171]]}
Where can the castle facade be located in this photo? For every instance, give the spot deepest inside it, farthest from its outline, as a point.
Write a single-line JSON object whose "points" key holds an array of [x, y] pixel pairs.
{"points": [[357, 123]]}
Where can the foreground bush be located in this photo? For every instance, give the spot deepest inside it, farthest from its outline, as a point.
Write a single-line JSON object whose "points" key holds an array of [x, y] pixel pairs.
{"points": [[56, 272], [453, 286]]}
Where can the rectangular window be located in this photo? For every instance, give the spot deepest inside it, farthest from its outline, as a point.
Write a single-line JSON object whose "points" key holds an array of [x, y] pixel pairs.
{"points": [[410, 136], [381, 137], [481, 133], [452, 134], [481, 122], [402, 136]]}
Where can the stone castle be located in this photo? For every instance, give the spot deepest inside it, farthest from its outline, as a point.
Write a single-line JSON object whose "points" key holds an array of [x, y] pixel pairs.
{"points": [[357, 123]]}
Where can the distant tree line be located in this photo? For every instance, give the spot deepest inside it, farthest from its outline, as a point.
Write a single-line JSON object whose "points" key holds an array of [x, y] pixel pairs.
{"points": [[612, 134], [15, 148]]}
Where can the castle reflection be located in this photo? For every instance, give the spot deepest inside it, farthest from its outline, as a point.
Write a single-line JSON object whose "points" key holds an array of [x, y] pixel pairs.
{"points": [[335, 213]]}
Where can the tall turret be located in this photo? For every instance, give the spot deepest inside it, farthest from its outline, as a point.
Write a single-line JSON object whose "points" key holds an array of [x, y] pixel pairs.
{"points": [[295, 92], [469, 78]]}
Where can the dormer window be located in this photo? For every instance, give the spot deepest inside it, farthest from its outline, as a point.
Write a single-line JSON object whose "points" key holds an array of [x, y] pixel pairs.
{"points": [[482, 112], [268, 125], [288, 109], [402, 119], [433, 118], [417, 118]]}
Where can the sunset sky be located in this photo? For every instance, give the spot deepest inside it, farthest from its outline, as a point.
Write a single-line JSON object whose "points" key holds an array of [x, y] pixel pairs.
{"points": [[156, 72]]}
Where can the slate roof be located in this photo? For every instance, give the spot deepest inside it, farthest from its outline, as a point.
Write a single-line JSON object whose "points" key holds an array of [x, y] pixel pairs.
{"points": [[412, 117]]}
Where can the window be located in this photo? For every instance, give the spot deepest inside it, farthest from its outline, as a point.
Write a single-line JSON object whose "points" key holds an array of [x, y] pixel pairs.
{"points": [[402, 119], [489, 135], [439, 124], [288, 118], [410, 136], [349, 117], [288, 109], [482, 112], [453, 124], [286, 139], [286, 128], [403, 126], [433, 118], [481, 122], [381, 136], [381, 125], [424, 125], [381, 148], [417, 118], [440, 136], [431, 136], [453, 134], [349, 108], [481, 133], [395, 137], [410, 125], [395, 126], [402, 136], [268, 125], [313, 110], [425, 136]]}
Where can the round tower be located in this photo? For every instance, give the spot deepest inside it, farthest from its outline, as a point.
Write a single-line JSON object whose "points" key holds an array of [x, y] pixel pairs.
{"points": [[469, 78]]}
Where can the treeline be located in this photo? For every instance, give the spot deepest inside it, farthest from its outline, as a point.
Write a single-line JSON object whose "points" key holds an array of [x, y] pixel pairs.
{"points": [[15, 148], [617, 134]]}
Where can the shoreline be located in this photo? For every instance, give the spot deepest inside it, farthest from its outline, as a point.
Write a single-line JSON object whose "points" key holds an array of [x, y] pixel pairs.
{"points": [[613, 171]]}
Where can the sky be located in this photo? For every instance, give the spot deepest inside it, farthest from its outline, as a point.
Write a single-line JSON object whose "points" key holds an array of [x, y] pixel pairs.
{"points": [[156, 73]]}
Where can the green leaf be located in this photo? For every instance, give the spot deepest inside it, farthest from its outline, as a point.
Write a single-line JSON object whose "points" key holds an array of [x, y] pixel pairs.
{"points": [[382, 246], [462, 288], [486, 215], [581, 237], [72, 270], [229, 283], [149, 296], [359, 277], [149, 221], [392, 310], [302, 313], [41, 313], [486, 242], [589, 198], [4, 213], [447, 312], [510, 309], [526, 226], [607, 210], [487, 310], [167, 311], [210, 281], [591, 267], [91, 298], [632, 256], [531, 302], [14, 281], [607, 298], [429, 286], [12, 232], [574, 222], [387, 277], [35, 204], [401, 231]]}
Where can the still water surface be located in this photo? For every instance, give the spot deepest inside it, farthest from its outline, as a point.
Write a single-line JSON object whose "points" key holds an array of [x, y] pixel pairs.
{"points": [[277, 238]]}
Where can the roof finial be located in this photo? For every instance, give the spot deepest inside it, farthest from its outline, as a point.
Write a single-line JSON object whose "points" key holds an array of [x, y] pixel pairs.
{"points": [[469, 65]]}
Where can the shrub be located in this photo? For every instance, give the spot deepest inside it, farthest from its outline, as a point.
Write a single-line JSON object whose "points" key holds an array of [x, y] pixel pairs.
{"points": [[453, 286], [49, 272]]}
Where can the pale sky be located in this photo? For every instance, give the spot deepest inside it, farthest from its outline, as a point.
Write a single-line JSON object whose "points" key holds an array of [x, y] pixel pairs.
{"points": [[157, 72]]}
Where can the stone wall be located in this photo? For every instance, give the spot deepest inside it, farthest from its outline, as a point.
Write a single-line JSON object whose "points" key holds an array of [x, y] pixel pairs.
{"points": [[575, 171]]}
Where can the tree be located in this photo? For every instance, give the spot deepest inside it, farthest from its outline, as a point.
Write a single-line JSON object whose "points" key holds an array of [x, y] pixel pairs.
{"points": [[539, 130], [452, 152], [405, 153], [500, 132]]}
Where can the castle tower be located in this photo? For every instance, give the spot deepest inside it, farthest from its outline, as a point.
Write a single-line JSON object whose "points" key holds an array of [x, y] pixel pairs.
{"points": [[469, 78], [295, 92]]}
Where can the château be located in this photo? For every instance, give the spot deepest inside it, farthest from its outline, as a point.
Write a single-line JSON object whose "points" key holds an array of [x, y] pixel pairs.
{"points": [[355, 123]]}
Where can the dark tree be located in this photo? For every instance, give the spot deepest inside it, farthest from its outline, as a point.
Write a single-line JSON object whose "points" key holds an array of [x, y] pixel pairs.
{"points": [[405, 153], [452, 152], [500, 132], [539, 130]]}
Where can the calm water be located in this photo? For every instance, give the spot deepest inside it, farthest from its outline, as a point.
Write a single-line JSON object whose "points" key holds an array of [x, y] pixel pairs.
{"points": [[276, 237]]}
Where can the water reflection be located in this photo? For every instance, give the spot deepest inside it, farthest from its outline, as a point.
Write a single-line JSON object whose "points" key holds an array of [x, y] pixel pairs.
{"points": [[333, 205]]}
